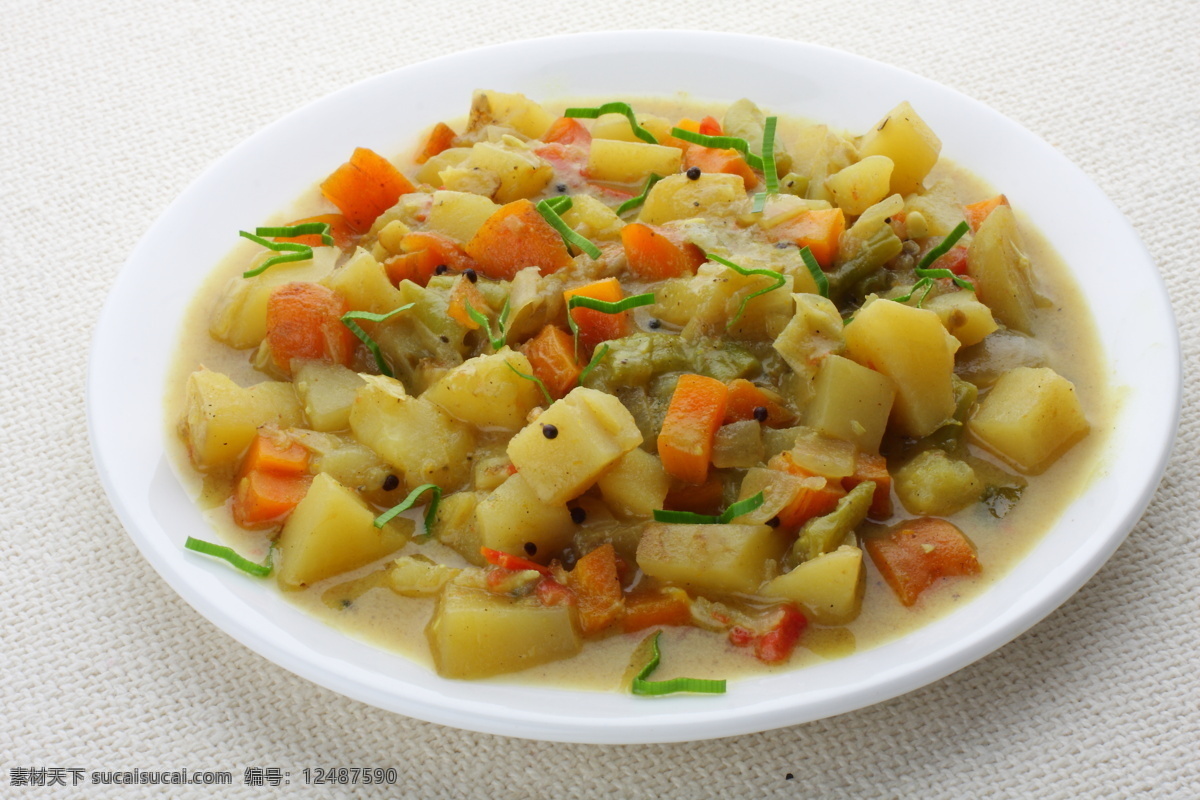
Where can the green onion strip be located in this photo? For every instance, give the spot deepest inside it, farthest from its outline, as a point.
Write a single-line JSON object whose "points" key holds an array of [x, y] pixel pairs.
{"points": [[408, 502], [501, 334], [228, 554], [550, 209], [634, 202], [814, 269], [730, 514], [348, 319], [604, 307], [925, 283], [597, 357], [534, 378], [720, 142], [778, 276], [770, 171], [614, 108], [923, 270], [649, 688], [294, 250]]}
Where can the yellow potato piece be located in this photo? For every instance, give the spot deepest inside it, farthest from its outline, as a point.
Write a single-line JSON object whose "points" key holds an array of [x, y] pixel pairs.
{"points": [[829, 587], [1030, 416]]}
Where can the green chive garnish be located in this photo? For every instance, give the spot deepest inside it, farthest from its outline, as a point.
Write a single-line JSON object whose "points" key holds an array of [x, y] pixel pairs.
{"points": [[348, 320], [303, 229], [614, 108], [597, 357], [228, 554], [550, 210], [770, 172], [540, 383], [634, 202], [646, 687], [778, 276], [814, 269], [577, 301], [923, 270], [408, 502], [497, 339], [721, 143], [295, 252], [692, 518], [925, 283]]}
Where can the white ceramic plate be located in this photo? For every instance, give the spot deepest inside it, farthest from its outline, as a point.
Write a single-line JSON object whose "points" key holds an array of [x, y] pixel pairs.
{"points": [[136, 335]]}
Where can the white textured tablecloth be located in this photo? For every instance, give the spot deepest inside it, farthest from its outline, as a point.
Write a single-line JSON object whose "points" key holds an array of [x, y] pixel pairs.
{"points": [[107, 113]]}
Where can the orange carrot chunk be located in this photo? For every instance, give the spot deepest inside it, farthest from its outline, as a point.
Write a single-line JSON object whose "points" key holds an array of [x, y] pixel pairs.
{"points": [[596, 326], [917, 552], [696, 411], [653, 256], [304, 320], [710, 127], [869, 467], [566, 130], [552, 355], [364, 187], [818, 230], [423, 253], [514, 237], [976, 213], [274, 454], [597, 589], [660, 607], [440, 138], [711, 159], [745, 399], [262, 499], [815, 495], [339, 229]]}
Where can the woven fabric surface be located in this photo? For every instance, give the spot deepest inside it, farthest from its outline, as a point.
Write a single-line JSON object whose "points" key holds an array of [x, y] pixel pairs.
{"points": [[109, 112]]}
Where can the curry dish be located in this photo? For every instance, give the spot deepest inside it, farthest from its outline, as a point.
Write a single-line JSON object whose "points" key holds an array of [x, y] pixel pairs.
{"points": [[557, 381]]}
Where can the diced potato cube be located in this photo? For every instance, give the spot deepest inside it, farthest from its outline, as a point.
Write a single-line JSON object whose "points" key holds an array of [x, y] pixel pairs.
{"points": [[430, 171], [364, 283], [630, 162], [1001, 271], [709, 558], [679, 197], [938, 207], [411, 434], [221, 418], [591, 430], [851, 402], [486, 393], [521, 172], [964, 317], [491, 470], [720, 292], [240, 317], [327, 392], [477, 634], [933, 483], [459, 214], [417, 576], [818, 153], [593, 220], [1029, 417], [636, 484], [829, 587], [911, 347], [455, 525], [814, 332], [518, 112], [348, 462], [332, 531], [513, 516], [912, 146], [616, 126], [861, 185]]}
